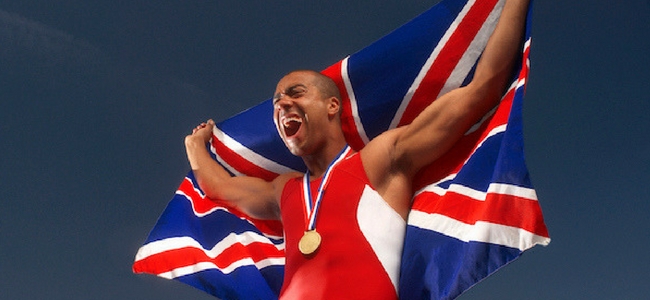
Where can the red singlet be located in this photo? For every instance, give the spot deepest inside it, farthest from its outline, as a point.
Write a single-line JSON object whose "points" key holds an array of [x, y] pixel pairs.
{"points": [[362, 236]]}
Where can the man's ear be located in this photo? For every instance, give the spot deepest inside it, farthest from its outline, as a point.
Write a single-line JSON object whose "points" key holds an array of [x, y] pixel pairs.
{"points": [[333, 106]]}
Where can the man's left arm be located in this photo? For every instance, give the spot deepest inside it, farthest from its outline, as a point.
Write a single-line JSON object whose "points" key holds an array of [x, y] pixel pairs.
{"points": [[392, 159], [445, 121]]}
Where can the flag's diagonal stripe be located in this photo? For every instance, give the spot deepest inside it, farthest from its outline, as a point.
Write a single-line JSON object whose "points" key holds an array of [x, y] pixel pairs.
{"points": [[350, 120], [447, 61], [473, 52], [236, 154], [427, 65], [354, 109], [443, 60], [486, 232]]}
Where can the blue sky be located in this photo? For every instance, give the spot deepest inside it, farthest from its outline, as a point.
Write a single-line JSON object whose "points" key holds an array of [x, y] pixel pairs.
{"points": [[96, 97]]}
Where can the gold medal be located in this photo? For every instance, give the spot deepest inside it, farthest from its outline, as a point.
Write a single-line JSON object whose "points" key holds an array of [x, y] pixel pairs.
{"points": [[309, 242]]}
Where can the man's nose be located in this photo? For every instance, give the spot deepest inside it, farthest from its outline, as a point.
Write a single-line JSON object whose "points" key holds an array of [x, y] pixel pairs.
{"points": [[283, 102]]}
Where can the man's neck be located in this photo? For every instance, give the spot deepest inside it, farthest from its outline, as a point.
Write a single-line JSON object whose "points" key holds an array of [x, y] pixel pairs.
{"points": [[318, 162]]}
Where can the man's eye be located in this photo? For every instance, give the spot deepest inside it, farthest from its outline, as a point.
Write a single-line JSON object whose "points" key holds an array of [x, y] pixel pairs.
{"points": [[297, 93]]}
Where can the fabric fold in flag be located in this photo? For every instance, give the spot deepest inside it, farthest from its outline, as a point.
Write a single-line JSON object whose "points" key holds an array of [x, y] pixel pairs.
{"points": [[475, 209]]}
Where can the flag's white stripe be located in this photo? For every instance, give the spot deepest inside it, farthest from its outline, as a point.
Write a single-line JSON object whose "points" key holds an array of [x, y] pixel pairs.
{"points": [[471, 55], [526, 46], [427, 65], [482, 231], [494, 188], [521, 83], [353, 101], [202, 266], [225, 164], [245, 238], [486, 117], [513, 190], [167, 244], [248, 154]]}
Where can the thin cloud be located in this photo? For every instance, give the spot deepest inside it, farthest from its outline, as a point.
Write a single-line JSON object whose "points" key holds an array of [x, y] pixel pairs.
{"points": [[35, 48], [22, 38]]}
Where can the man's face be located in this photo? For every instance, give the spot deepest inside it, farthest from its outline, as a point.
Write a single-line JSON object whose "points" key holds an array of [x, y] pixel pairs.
{"points": [[298, 107]]}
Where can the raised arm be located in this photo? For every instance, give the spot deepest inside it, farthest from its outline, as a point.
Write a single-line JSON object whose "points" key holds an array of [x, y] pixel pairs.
{"points": [[431, 134], [255, 196]]}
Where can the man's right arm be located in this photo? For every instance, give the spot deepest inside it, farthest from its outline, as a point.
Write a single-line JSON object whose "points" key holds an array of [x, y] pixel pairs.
{"points": [[254, 196]]}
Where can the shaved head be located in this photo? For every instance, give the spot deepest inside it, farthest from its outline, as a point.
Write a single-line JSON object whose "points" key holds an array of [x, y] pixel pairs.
{"points": [[325, 85]]}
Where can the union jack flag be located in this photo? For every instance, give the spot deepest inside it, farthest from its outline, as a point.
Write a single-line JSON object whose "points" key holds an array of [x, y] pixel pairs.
{"points": [[475, 208]]}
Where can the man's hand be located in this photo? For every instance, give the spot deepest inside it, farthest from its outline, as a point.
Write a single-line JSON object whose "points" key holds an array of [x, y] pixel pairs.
{"points": [[201, 134]]}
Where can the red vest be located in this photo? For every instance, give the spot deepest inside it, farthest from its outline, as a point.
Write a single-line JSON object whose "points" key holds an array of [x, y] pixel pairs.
{"points": [[361, 239]]}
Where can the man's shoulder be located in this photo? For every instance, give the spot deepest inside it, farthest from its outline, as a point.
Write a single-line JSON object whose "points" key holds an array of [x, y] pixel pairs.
{"points": [[281, 181], [378, 155]]}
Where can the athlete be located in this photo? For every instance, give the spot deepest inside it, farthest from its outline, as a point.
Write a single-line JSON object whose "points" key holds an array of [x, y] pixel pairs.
{"points": [[337, 215]]}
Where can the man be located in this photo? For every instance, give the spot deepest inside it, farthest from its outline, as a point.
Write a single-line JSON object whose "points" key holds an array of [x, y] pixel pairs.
{"points": [[336, 217]]}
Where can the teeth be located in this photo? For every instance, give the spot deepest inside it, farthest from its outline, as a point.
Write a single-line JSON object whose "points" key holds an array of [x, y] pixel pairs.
{"points": [[287, 120]]}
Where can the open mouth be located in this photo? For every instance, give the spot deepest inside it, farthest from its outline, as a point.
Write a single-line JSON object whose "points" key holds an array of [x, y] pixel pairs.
{"points": [[291, 125]]}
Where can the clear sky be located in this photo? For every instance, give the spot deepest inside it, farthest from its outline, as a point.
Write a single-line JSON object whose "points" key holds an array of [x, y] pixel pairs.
{"points": [[97, 96]]}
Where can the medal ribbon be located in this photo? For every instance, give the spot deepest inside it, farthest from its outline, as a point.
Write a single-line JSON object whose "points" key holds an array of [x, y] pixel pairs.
{"points": [[310, 211]]}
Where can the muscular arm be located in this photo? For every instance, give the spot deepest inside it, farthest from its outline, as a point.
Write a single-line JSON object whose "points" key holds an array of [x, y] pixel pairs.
{"points": [[255, 196], [431, 134]]}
